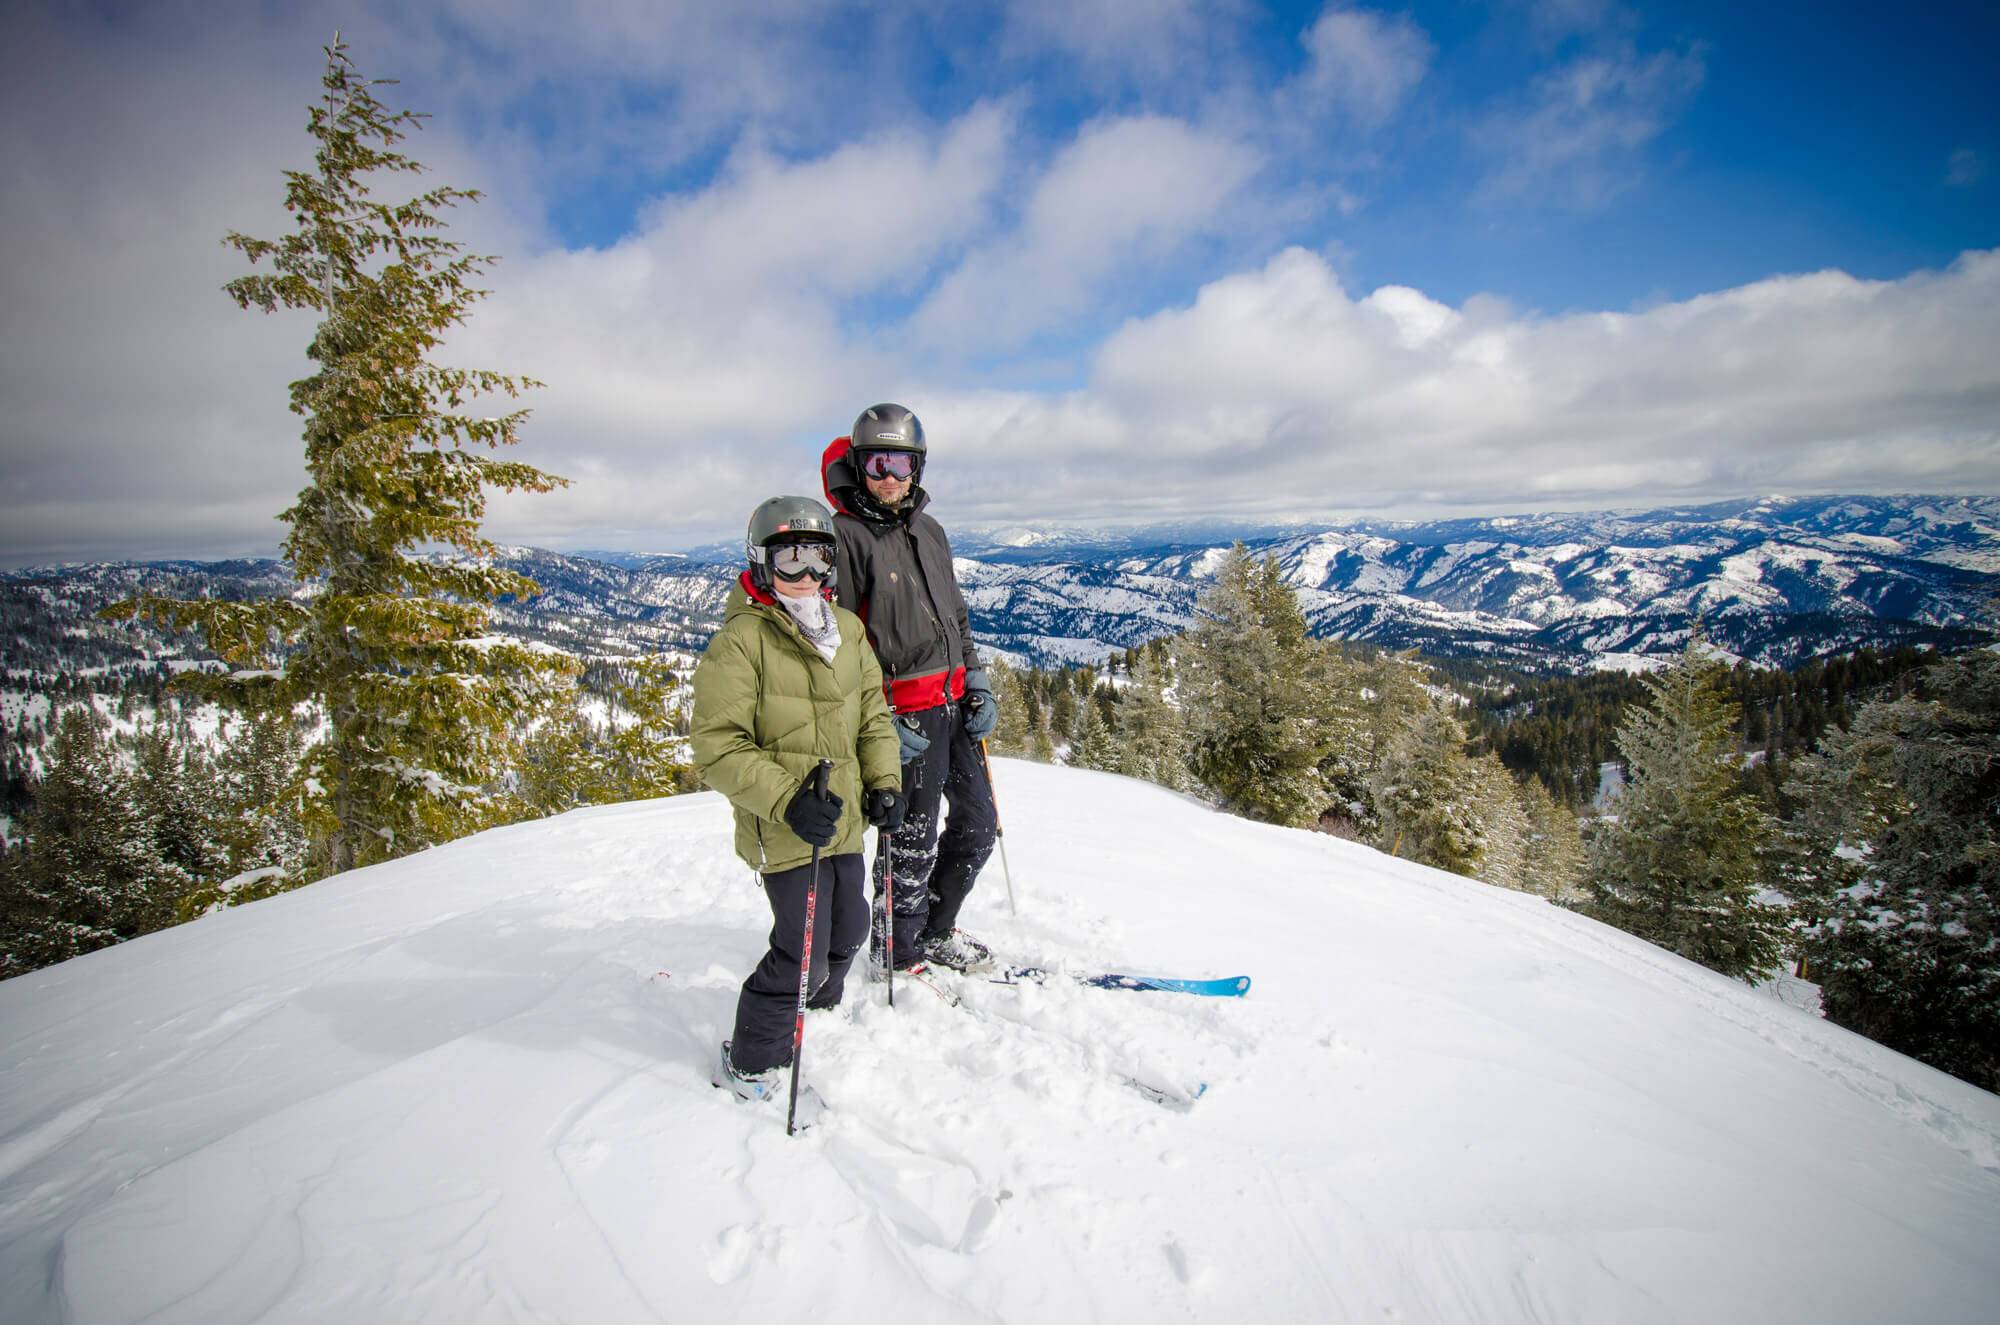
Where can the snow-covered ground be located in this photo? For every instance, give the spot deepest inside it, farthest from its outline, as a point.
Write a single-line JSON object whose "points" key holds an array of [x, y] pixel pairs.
{"points": [[472, 1086]]}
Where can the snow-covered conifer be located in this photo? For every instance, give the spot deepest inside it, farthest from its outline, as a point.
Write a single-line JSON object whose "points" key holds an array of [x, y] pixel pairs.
{"points": [[421, 705], [1504, 825], [1554, 862], [1430, 798], [1900, 875], [1249, 679], [1688, 859], [1094, 746], [1152, 738], [176, 785], [88, 876]]}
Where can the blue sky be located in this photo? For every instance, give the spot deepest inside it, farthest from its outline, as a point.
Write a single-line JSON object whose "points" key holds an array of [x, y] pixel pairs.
{"points": [[1130, 259]]}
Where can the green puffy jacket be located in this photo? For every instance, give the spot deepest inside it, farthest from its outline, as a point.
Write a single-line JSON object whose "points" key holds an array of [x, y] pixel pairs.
{"points": [[768, 708]]}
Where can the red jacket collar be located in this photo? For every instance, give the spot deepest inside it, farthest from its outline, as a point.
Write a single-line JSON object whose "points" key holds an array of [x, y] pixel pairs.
{"points": [[835, 456]]}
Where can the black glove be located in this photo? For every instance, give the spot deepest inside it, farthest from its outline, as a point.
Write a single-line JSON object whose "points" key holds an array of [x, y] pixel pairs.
{"points": [[813, 818], [982, 711], [885, 809]]}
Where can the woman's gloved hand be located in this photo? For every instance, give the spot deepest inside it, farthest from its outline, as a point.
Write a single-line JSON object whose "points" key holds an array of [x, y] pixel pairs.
{"points": [[814, 818]]}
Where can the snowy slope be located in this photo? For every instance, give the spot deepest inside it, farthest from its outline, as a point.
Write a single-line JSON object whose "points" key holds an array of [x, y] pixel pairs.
{"points": [[471, 1086]]}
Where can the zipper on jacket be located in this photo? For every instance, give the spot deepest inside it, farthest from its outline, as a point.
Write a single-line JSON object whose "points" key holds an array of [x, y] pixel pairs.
{"points": [[930, 596]]}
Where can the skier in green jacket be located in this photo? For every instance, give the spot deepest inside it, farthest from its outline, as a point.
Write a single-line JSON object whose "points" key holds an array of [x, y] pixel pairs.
{"points": [[790, 680]]}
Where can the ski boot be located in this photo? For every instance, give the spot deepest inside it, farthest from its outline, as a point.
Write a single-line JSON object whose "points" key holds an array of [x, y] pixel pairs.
{"points": [[752, 1086], [957, 950]]}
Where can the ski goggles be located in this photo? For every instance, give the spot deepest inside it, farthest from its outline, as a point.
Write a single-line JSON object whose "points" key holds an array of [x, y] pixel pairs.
{"points": [[889, 464], [795, 561]]}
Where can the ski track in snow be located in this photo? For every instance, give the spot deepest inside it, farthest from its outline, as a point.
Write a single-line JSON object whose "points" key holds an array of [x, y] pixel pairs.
{"points": [[472, 1085]]}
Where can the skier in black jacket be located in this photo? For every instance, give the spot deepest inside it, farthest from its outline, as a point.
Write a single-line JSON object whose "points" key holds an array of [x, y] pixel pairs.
{"points": [[895, 573]]}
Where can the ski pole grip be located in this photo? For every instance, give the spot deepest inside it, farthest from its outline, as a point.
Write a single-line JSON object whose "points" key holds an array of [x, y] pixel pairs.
{"points": [[819, 778]]}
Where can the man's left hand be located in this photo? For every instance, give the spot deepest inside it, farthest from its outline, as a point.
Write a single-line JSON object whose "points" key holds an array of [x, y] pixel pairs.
{"points": [[982, 711]]}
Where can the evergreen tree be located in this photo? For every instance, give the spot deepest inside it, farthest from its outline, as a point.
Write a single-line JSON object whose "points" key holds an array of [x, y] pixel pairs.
{"points": [[1041, 742], [260, 774], [1898, 870], [1554, 865], [1094, 747], [420, 705], [1504, 825], [88, 876], [1367, 703], [1062, 715], [1249, 680], [1152, 739], [1686, 860], [1430, 798], [644, 749], [176, 787], [1012, 734], [635, 754]]}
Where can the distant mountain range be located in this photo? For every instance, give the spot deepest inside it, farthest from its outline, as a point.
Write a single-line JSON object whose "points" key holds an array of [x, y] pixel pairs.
{"points": [[1774, 581]]}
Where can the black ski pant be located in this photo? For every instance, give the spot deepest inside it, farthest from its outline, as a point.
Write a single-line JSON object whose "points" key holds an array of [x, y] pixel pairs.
{"points": [[933, 871], [767, 1009]]}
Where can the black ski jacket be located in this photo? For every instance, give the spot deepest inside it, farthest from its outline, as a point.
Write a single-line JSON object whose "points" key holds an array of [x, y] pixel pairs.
{"points": [[893, 570]]}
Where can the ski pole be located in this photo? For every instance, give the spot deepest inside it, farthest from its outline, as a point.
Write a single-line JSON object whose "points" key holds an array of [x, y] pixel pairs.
{"points": [[999, 830], [888, 846], [806, 959]]}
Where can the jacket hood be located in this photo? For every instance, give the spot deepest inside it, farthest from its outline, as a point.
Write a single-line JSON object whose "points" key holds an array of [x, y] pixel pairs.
{"points": [[847, 496]]}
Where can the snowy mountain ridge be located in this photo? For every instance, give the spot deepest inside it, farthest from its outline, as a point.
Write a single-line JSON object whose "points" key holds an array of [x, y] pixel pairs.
{"points": [[1774, 581], [472, 1085]]}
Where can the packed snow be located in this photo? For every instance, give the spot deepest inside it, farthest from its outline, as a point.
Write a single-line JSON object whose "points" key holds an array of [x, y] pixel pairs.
{"points": [[472, 1085]]}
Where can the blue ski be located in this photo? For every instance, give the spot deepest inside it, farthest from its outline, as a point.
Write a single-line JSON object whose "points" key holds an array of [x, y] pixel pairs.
{"points": [[1234, 986]]}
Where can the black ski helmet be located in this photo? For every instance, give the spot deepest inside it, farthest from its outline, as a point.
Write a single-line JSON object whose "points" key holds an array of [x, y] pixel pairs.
{"points": [[889, 428], [785, 520]]}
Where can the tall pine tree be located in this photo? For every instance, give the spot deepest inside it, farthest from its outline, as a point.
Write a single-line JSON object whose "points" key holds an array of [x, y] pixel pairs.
{"points": [[1689, 855], [1429, 797], [1250, 682], [421, 708]]}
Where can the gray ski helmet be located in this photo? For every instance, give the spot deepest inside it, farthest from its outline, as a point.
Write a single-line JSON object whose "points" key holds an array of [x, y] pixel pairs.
{"points": [[785, 520], [889, 428]]}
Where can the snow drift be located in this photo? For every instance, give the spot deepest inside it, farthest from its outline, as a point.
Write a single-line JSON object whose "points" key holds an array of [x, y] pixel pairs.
{"points": [[472, 1086]]}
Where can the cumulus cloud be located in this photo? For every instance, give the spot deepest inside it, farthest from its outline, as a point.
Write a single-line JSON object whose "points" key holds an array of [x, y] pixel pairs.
{"points": [[1278, 393]]}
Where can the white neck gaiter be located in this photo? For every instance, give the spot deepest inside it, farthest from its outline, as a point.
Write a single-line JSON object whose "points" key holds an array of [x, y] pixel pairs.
{"points": [[816, 622]]}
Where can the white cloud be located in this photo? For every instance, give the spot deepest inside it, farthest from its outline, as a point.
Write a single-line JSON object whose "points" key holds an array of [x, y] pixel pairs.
{"points": [[700, 361], [1579, 136], [1363, 62], [1125, 192], [1158, 45], [703, 356], [1278, 393], [1964, 168]]}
